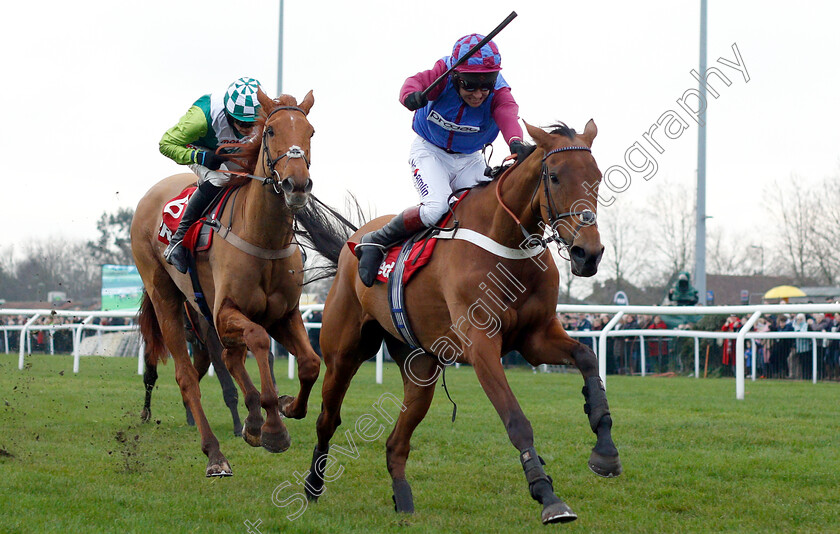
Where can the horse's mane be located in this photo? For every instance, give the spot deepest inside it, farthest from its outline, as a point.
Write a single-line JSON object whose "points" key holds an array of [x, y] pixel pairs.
{"points": [[560, 128]]}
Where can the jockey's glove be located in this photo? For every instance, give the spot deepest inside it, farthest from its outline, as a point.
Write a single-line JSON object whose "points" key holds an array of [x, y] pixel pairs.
{"points": [[415, 101], [522, 150], [209, 160]]}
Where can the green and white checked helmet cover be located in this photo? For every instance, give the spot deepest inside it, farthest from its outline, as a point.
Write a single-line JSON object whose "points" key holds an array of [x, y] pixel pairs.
{"points": [[241, 100]]}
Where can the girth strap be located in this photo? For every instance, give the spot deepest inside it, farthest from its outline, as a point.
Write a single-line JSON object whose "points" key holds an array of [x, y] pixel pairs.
{"points": [[266, 254], [484, 242]]}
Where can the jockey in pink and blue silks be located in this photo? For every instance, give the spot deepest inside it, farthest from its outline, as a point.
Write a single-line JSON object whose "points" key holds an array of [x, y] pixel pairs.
{"points": [[454, 122]]}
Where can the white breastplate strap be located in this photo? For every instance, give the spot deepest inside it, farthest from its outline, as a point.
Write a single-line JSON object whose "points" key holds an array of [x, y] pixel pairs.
{"points": [[253, 250], [482, 241]]}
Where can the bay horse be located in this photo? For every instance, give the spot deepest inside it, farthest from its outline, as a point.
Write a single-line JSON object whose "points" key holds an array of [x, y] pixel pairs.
{"points": [[251, 282], [457, 314]]}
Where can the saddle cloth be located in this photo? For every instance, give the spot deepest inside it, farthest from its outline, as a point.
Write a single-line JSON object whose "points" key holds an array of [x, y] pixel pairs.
{"points": [[200, 236]]}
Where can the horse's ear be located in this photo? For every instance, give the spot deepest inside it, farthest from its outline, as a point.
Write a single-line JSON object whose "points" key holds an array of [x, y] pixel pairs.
{"points": [[589, 132], [306, 103], [540, 136], [265, 101]]}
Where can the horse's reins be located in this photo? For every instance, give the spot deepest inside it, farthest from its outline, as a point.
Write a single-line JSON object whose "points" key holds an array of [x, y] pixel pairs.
{"points": [[587, 217]]}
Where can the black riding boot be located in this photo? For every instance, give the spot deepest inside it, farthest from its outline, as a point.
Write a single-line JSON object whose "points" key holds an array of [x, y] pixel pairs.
{"points": [[175, 254], [371, 251]]}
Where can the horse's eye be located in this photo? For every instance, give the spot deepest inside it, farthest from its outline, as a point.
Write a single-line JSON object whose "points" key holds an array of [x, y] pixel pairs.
{"points": [[554, 179], [269, 131]]}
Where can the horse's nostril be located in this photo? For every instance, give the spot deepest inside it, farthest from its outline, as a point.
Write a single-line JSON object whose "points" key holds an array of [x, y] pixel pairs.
{"points": [[288, 185], [578, 253], [308, 187]]}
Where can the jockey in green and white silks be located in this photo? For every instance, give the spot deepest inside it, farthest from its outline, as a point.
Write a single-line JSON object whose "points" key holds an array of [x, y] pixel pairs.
{"points": [[212, 120]]}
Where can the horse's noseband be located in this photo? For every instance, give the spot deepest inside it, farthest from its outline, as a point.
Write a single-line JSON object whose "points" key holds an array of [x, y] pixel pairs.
{"points": [[587, 217], [294, 152]]}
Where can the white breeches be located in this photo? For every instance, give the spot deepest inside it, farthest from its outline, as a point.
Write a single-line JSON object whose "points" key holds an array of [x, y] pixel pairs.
{"points": [[437, 173]]}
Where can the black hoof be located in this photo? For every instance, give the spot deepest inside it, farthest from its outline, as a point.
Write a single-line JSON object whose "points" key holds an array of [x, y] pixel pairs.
{"points": [[403, 499], [558, 512], [605, 466]]}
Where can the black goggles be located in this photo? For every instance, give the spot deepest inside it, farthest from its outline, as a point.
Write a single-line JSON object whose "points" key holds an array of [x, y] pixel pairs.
{"points": [[476, 86], [242, 125]]}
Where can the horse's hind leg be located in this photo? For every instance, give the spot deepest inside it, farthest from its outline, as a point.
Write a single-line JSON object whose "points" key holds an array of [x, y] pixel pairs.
{"points": [[291, 333], [169, 316], [554, 347], [237, 333], [214, 349], [150, 377], [484, 355], [420, 374]]}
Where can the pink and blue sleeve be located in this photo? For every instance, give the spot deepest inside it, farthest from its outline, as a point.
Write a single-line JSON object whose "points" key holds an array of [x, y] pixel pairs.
{"points": [[422, 80], [506, 114]]}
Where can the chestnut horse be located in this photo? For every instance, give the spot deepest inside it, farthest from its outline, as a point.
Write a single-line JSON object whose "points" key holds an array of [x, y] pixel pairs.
{"points": [[472, 304], [251, 297]]}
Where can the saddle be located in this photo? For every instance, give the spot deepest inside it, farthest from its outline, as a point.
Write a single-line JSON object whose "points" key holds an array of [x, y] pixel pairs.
{"points": [[200, 236], [415, 253]]}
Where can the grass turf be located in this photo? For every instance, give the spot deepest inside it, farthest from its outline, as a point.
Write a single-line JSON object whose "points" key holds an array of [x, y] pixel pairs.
{"points": [[74, 457]]}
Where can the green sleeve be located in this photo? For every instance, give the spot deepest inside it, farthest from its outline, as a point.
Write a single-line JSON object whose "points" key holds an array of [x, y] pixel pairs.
{"points": [[191, 127]]}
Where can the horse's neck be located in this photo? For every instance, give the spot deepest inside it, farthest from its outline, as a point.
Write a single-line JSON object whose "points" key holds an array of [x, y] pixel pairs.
{"points": [[517, 193], [262, 217]]}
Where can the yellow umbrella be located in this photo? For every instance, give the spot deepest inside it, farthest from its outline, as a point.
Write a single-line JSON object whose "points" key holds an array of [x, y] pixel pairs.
{"points": [[784, 292]]}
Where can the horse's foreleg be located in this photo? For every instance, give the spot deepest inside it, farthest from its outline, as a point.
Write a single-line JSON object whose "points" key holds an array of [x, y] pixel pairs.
{"points": [[554, 346], [419, 390], [292, 334], [236, 333], [484, 355]]}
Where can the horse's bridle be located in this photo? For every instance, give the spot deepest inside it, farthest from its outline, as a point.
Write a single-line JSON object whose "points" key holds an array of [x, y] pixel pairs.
{"points": [[294, 152], [587, 217]]}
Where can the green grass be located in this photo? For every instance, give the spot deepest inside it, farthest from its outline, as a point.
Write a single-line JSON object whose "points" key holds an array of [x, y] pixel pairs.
{"points": [[76, 459]]}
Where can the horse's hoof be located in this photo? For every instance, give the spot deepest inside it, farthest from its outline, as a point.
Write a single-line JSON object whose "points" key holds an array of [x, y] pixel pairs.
{"points": [[605, 466], [250, 437], [403, 499], [558, 512], [276, 441], [219, 469], [237, 431], [145, 415], [284, 401]]}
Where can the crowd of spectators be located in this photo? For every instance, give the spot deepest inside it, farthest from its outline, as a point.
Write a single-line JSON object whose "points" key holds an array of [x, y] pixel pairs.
{"points": [[39, 332]]}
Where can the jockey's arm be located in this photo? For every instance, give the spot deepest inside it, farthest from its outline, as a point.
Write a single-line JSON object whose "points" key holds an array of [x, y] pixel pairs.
{"points": [[422, 80], [505, 112], [191, 127]]}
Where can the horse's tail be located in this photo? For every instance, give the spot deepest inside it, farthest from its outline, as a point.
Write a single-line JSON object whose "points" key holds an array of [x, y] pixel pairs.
{"points": [[150, 330], [326, 231]]}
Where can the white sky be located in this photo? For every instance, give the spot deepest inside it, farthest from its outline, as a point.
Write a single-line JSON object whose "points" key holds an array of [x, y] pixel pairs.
{"points": [[90, 87]]}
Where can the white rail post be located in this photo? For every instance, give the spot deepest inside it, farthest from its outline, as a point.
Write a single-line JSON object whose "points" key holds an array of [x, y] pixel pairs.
{"points": [[291, 365], [602, 347], [379, 357], [814, 360], [752, 341], [739, 355], [24, 336], [141, 362], [696, 357], [77, 342], [642, 358]]}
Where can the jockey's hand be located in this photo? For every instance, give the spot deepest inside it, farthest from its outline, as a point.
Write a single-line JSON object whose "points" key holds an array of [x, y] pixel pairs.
{"points": [[209, 160], [520, 150], [415, 101]]}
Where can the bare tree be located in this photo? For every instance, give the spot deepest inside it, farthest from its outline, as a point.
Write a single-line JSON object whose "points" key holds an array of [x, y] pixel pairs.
{"points": [[624, 251], [671, 212]]}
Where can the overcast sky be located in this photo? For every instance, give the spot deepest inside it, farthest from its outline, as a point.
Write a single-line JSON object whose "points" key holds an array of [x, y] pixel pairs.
{"points": [[89, 88]]}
